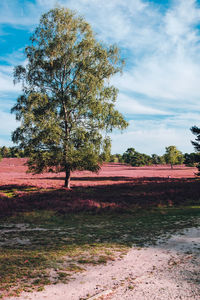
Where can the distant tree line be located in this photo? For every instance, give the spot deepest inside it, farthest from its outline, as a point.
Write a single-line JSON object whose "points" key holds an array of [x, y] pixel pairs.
{"points": [[172, 156], [132, 157], [8, 152]]}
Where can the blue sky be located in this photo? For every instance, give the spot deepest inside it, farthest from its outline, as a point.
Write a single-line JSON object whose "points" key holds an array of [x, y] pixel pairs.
{"points": [[159, 91]]}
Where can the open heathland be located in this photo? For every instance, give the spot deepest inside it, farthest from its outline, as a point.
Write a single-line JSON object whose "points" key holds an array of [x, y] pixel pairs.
{"points": [[49, 233], [116, 186]]}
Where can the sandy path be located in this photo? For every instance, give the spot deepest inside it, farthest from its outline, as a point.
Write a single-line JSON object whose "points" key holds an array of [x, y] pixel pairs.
{"points": [[170, 270]]}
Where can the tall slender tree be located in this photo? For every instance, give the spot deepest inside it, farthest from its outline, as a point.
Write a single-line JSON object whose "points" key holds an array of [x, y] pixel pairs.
{"points": [[67, 102], [196, 131]]}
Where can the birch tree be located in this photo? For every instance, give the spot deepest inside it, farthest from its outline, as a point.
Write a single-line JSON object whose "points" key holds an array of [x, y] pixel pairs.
{"points": [[67, 101]]}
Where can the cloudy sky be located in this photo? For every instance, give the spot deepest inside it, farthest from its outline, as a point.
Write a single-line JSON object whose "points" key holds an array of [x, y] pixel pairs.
{"points": [[159, 91]]}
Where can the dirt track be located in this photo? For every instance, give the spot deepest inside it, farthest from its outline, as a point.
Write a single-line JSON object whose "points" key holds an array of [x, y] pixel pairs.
{"points": [[169, 270]]}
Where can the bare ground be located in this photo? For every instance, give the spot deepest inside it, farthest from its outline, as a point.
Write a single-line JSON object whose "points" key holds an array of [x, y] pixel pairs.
{"points": [[169, 270]]}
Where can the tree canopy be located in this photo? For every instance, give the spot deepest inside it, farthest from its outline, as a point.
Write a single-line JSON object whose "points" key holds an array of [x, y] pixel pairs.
{"points": [[173, 156], [196, 131], [68, 102], [136, 159]]}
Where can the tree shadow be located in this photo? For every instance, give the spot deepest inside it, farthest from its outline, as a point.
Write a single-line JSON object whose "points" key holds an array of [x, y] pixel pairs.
{"points": [[135, 193], [79, 231], [109, 208], [13, 187], [154, 168], [92, 178]]}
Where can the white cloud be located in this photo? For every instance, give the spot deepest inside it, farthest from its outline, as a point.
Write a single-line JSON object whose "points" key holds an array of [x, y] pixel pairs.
{"points": [[8, 123], [11, 12], [6, 69], [129, 105], [6, 80], [160, 78], [6, 141], [182, 120], [168, 72], [179, 21], [162, 63], [5, 101], [127, 24], [116, 21], [152, 137], [14, 58]]}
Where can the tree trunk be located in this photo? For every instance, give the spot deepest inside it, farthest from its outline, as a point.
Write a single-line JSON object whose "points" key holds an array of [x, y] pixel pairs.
{"points": [[67, 168], [171, 166], [67, 177]]}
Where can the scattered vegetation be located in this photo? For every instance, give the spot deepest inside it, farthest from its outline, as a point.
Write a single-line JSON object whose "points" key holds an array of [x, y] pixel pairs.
{"points": [[48, 234], [43, 247]]}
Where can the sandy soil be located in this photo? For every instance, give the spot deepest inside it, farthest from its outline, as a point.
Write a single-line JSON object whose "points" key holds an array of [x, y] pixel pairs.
{"points": [[169, 270]]}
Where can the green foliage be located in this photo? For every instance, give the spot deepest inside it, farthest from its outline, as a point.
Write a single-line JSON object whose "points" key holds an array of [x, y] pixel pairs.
{"points": [[158, 160], [191, 159], [6, 152], [128, 154], [106, 154], [162, 160], [173, 156], [155, 159], [135, 158], [67, 100], [117, 158], [196, 131], [141, 159]]}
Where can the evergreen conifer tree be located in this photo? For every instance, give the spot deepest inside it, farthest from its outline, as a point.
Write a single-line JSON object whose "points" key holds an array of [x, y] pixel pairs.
{"points": [[196, 131]]}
